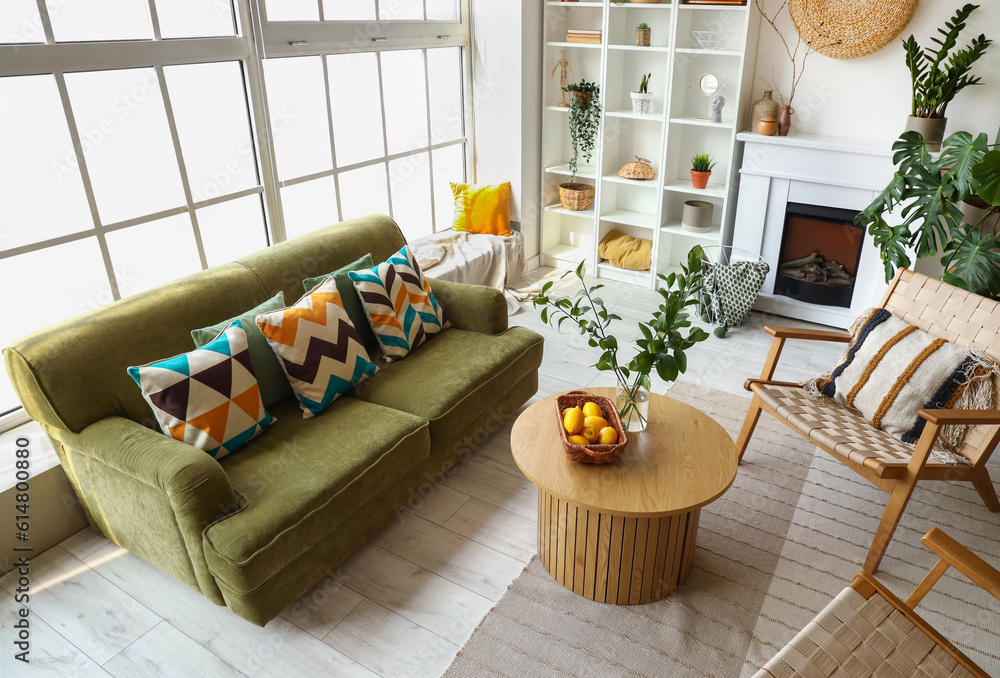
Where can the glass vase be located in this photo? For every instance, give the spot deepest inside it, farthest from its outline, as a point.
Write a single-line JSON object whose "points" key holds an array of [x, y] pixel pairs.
{"points": [[633, 407]]}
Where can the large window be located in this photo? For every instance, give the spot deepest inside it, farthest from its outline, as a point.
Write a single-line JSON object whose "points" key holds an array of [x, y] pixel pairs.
{"points": [[148, 139]]}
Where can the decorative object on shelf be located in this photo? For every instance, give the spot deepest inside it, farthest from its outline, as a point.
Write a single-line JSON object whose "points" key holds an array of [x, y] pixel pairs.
{"points": [[697, 216], [798, 65], [733, 280], [642, 100], [967, 170], [767, 126], [591, 453], [709, 85], [701, 169], [638, 170], [645, 2], [785, 120], [663, 342], [624, 251], [718, 101], [763, 107], [584, 123], [715, 40], [938, 75], [562, 65], [714, 2], [585, 36], [845, 30], [642, 35]]}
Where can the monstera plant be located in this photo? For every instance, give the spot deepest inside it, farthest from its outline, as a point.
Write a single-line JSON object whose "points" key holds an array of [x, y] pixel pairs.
{"points": [[929, 191]]}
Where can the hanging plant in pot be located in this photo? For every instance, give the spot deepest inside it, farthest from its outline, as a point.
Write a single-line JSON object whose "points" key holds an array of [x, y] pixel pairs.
{"points": [[584, 123], [939, 76], [642, 100], [701, 169], [661, 345]]}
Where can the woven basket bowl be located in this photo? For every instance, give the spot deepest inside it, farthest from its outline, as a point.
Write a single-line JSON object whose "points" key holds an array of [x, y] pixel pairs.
{"points": [[576, 197], [640, 170], [591, 454], [846, 29]]}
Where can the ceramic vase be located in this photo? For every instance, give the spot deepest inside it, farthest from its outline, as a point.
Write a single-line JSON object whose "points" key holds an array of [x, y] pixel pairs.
{"points": [[785, 120], [763, 107]]}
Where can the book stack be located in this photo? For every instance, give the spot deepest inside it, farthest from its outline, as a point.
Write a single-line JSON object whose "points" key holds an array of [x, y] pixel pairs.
{"points": [[589, 36], [714, 2]]}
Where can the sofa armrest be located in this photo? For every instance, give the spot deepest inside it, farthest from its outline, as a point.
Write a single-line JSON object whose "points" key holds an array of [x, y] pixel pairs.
{"points": [[472, 307], [188, 476]]}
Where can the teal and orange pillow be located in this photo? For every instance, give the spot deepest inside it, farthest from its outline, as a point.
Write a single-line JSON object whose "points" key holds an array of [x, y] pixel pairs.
{"points": [[209, 397], [319, 349], [348, 295]]}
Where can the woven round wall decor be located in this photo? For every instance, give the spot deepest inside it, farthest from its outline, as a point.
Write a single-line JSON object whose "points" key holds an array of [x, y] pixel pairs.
{"points": [[846, 29]]}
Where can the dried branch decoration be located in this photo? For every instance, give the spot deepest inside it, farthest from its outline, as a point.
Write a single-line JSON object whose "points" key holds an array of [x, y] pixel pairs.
{"points": [[798, 68]]}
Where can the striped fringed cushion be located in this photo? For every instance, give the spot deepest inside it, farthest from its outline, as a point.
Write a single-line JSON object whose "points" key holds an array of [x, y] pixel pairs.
{"points": [[891, 370]]}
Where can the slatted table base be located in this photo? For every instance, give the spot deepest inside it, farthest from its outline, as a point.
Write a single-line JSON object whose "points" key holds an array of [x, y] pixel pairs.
{"points": [[611, 558]]}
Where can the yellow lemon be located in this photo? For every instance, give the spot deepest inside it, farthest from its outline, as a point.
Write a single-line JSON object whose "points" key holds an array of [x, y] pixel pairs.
{"points": [[578, 440], [573, 419], [590, 433], [596, 422], [608, 436], [592, 409]]}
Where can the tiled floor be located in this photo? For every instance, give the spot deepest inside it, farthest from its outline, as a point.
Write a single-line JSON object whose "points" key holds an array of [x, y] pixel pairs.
{"points": [[402, 605]]}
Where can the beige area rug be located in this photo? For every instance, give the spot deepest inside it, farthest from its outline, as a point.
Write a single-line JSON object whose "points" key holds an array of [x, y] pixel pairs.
{"points": [[787, 537]]}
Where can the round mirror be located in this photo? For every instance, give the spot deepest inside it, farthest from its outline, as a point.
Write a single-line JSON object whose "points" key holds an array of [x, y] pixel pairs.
{"points": [[709, 83]]}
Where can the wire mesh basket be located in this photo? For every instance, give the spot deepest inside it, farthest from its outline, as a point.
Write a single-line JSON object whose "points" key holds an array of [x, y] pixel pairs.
{"points": [[709, 302]]}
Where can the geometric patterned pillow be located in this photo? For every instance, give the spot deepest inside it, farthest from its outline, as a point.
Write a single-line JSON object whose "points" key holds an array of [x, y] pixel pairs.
{"points": [[398, 326], [426, 304], [318, 347], [209, 397]]}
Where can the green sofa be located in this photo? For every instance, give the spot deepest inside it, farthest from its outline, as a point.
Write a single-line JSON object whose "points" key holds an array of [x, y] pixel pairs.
{"points": [[259, 528]]}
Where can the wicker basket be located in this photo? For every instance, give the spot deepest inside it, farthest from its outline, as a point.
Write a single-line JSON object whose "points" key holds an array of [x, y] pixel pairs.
{"points": [[591, 454], [640, 170], [576, 197]]}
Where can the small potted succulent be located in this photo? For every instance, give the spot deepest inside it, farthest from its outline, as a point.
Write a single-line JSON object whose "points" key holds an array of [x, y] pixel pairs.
{"points": [[642, 33], [642, 101], [584, 124], [701, 169]]}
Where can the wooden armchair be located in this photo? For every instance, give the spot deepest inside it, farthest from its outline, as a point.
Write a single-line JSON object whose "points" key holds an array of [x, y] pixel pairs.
{"points": [[938, 309], [867, 631]]}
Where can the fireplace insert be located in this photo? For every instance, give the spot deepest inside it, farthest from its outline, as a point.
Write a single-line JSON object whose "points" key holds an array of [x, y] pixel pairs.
{"points": [[820, 251]]}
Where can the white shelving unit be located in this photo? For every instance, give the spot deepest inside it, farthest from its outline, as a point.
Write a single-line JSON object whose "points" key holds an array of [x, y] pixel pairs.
{"points": [[677, 127]]}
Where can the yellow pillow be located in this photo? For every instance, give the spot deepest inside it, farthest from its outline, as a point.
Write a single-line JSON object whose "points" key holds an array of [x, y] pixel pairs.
{"points": [[482, 209]]}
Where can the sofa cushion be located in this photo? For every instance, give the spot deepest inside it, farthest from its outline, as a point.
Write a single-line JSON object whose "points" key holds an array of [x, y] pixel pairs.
{"points": [[304, 480], [455, 376], [396, 322], [274, 385], [208, 397], [349, 295]]}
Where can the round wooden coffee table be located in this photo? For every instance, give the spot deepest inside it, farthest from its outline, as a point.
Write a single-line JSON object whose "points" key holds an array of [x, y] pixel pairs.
{"points": [[624, 533]]}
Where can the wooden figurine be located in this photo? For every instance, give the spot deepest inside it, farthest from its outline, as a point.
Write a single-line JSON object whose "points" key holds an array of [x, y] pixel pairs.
{"points": [[563, 77]]}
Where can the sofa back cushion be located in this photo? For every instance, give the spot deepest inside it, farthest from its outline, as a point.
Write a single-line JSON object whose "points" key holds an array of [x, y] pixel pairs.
{"points": [[74, 373], [284, 266]]}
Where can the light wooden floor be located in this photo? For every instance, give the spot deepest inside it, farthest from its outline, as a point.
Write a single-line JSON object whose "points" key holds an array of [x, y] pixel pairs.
{"points": [[402, 605]]}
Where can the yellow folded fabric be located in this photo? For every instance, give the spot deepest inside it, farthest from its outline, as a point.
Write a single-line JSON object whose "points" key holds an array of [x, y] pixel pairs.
{"points": [[482, 209], [624, 251]]}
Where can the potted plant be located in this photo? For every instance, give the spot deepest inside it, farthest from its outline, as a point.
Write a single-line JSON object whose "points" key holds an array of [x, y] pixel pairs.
{"points": [[584, 123], [642, 100], [662, 342], [933, 192], [701, 169], [642, 34], [938, 75]]}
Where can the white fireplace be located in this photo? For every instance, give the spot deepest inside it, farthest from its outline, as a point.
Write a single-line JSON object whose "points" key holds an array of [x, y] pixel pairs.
{"points": [[800, 173]]}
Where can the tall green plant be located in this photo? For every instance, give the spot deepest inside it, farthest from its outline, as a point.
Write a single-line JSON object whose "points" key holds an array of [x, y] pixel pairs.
{"points": [[665, 337], [928, 191], [937, 75], [584, 121]]}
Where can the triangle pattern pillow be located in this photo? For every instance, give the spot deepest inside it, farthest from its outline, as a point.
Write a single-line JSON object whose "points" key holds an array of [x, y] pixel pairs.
{"points": [[318, 347], [397, 325], [419, 290], [209, 397]]}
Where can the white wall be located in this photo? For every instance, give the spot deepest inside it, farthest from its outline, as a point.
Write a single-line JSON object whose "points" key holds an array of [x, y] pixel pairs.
{"points": [[869, 97], [507, 43]]}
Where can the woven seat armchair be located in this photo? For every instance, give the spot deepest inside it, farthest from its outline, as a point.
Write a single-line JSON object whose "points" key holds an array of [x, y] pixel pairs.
{"points": [[937, 308], [867, 631]]}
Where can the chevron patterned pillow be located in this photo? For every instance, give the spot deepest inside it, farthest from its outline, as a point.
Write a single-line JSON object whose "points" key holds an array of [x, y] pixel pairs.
{"points": [[209, 397], [401, 312], [318, 348]]}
